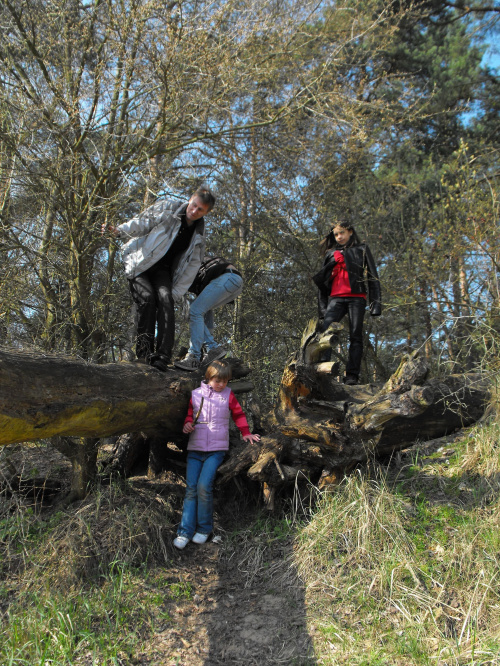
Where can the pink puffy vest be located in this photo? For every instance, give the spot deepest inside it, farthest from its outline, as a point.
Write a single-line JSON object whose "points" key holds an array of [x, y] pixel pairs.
{"points": [[211, 433]]}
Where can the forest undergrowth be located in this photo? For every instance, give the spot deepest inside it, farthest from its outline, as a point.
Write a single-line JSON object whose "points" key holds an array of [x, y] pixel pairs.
{"points": [[398, 565]]}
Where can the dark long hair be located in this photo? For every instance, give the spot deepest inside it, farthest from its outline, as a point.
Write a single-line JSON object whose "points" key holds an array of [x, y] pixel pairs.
{"points": [[329, 241]]}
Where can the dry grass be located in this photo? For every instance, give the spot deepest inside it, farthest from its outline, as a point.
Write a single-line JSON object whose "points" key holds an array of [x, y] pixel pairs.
{"points": [[404, 568], [481, 459], [116, 524], [260, 551]]}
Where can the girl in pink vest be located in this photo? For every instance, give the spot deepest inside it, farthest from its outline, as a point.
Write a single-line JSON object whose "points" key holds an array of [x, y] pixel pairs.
{"points": [[207, 423]]}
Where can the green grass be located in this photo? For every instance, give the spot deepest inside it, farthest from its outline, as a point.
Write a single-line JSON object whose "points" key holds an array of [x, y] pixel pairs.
{"points": [[85, 584], [53, 627], [181, 590]]}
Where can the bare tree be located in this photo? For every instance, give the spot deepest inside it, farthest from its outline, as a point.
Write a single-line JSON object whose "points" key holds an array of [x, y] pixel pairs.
{"points": [[107, 96]]}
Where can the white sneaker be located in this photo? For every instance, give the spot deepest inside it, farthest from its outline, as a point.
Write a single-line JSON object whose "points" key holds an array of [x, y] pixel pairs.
{"points": [[200, 538], [189, 363], [181, 542]]}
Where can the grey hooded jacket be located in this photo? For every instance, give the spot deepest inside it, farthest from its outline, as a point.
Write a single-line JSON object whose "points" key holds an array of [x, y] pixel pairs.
{"points": [[150, 235]]}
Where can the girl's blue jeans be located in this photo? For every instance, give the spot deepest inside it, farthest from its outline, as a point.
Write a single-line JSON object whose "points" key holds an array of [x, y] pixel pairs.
{"points": [[197, 512], [218, 292]]}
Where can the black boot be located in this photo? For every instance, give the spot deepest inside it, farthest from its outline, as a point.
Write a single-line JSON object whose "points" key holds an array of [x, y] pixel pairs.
{"points": [[160, 362]]}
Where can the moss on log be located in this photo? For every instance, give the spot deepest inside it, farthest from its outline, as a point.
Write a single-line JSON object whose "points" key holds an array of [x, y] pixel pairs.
{"points": [[47, 396]]}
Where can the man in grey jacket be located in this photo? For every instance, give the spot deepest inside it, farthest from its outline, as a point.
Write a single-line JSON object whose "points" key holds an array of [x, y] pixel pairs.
{"points": [[165, 248]]}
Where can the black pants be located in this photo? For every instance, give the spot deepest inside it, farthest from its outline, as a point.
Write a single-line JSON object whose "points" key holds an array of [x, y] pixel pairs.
{"points": [[355, 309], [154, 304]]}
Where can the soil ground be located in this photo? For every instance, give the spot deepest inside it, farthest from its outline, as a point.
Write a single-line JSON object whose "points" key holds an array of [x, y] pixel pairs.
{"points": [[228, 621], [246, 604]]}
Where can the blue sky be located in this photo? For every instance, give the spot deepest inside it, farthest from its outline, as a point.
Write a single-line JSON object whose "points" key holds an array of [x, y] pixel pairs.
{"points": [[492, 56]]}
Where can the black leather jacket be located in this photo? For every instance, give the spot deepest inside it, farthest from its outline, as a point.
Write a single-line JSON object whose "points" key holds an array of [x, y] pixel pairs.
{"points": [[357, 259]]}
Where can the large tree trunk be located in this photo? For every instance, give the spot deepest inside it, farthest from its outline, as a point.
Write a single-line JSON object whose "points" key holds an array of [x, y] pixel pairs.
{"points": [[47, 396], [51, 396], [319, 427]]}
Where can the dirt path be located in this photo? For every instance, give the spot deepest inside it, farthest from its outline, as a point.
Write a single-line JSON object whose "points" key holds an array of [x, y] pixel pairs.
{"points": [[232, 617], [245, 605]]}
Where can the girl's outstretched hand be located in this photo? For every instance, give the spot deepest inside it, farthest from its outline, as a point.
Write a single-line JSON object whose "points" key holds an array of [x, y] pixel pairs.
{"points": [[251, 438], [188, 427]]}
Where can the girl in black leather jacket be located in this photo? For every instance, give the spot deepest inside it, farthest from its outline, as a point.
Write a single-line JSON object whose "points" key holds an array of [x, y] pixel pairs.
{"points": [[342, 288]]}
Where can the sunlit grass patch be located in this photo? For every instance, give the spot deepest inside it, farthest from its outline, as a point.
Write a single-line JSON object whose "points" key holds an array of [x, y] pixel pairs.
{"points": [[405, 570], [362, 519], [482, 457], [76, 585], [105, 621]]}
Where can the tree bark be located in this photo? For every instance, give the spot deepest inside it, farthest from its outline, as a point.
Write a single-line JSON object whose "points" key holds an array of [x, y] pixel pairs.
{"points": [[324, 427], [48, 396], [83, 455], [75, 403]]}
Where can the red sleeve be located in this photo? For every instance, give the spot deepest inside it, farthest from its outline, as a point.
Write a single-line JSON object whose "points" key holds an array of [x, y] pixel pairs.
{"points": [[238, 415], [189, 417]]}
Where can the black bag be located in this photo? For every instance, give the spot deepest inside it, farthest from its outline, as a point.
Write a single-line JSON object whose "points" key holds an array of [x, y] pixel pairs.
{"points": [[210, 269]]}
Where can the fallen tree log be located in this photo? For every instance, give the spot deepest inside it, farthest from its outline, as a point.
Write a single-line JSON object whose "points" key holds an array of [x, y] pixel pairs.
{"points": [[349, 424], [75, 403], [323, 428], [318, 429], [45, 396]]}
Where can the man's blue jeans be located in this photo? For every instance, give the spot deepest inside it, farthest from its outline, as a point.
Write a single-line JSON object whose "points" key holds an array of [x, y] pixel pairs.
{"points": [[197, 512], [218, 292]]}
